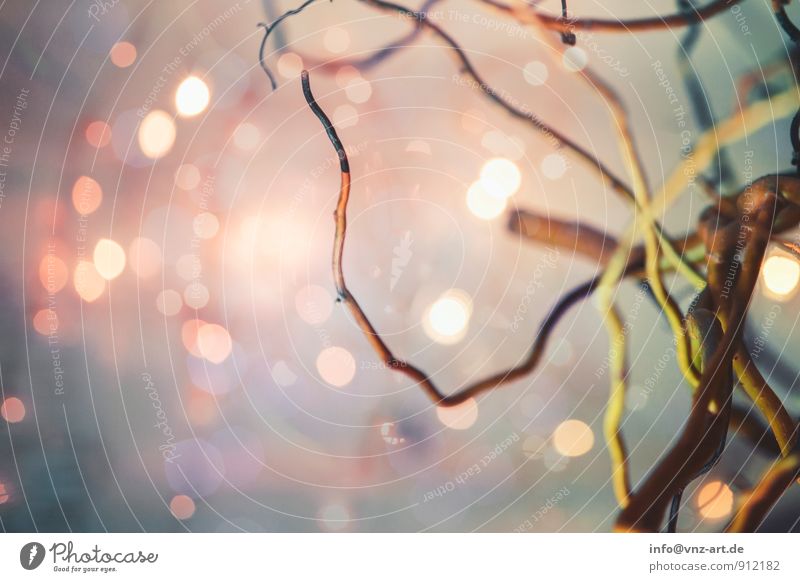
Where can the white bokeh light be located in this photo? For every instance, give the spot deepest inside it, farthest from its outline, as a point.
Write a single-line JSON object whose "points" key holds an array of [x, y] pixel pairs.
{"points": [[781, 276], [192, 96], [500, 178], [447, 319], [482, 204]]}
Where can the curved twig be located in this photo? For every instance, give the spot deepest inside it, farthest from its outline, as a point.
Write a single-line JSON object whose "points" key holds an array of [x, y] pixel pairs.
{"points": [[678, 20], [268, 28], [762, 498], [379, 345]]}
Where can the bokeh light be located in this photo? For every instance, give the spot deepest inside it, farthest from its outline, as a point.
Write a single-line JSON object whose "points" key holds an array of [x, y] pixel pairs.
{"points": [[87, 281], [98, 134], [189, 332], [12, 410], [336, 39], [573, 438], [182, 507], [575, 59], [290, 65], [53, 273], [447, 319], [196, 295], [187, 177], [214, 342], [336, 366], [358, 90], [554, 166], [157, 134], [45, 322], [715, 500], [459, 417], [87, 195], [169, 302], [246, 136], [192, 96], [109, 259], [500, 178], [535, 73], [205, 225], [123, 54], [482, 204], [781, 275]]}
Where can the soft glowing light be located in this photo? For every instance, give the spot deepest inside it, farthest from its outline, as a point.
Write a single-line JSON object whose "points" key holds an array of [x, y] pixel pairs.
{"points": [[282, 374], [554, 166], [87, 281], [192, 96], [358, 90], [53, 273], [187, 177], [145, 257], [182, 507], [4, 496], [573, 438], [196, 295], [86, 195], [336, 39], [446, 320], [109, 258], [500, 177], [98, 134], [123, 54], [156, 134], [205, 225], [459, 417], [336, 366], [715, 500], [214, 342], [781, 275], [290, 65], [334, 517], [482, 204], [246, 137], [535, 73], [169, 302], [45, 322], [314, 304], [189, 332], [346, 74], [575, 59], [13, 410]]}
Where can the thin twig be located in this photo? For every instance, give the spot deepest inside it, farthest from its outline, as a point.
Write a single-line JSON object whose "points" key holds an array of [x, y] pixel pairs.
{"points": [[379, 345], [525, 15]]}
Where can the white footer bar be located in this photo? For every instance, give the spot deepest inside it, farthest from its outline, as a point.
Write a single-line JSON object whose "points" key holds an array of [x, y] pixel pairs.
{"points": [[406, 557]]}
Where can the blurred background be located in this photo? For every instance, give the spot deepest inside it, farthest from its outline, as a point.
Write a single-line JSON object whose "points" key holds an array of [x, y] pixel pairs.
{"points": [[172, 355]]}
